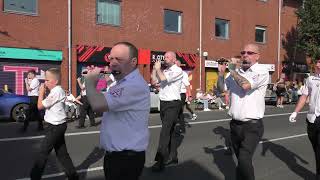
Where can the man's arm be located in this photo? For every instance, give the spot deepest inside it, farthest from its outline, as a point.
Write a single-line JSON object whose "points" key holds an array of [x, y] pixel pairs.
{"points": [[158, 71], [302, 101], [42, 91], [241, 81], [96, 99]]}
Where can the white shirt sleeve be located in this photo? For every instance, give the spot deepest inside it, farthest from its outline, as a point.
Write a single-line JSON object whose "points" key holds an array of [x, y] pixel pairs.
{"points": [[52, 98], [185, 79], [34, 83], [305, 90], [173, 76]]}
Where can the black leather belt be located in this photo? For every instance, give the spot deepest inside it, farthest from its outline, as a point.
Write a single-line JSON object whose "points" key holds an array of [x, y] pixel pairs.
{"points": [[252, 121], [124, 153]]}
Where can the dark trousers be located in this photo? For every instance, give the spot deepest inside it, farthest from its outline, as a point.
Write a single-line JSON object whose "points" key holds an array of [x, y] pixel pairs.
{"points": [[123, 165], [168, 142], [54, 138], [84, 110], [313, 130], [33, 113], [183, 102], [245, 137]]}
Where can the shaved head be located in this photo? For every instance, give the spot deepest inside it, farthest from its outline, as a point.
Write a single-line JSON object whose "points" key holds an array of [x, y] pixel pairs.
{"points": [[253, 47]]}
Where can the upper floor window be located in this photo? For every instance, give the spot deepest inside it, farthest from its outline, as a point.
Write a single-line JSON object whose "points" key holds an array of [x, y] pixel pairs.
{"points": [[21, 6], [222, 28], [261, 34], [109, 12], [172, 21]]}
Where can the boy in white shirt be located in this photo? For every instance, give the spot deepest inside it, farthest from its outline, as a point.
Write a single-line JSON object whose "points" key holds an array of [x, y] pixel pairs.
{"points": [[55, 116]]}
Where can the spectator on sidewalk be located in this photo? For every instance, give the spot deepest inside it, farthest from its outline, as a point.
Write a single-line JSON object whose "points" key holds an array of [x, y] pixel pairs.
{"points": [[32, 85]]}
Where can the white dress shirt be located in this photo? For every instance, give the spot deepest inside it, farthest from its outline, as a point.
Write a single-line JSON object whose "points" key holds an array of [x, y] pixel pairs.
{"points": [[312, 89], [34, 85], [125, 125], [170, 89], [247, 105], [185, 82], [54, 105]]}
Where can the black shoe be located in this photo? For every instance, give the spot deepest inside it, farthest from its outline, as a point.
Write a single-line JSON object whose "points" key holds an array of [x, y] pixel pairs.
{"points": [[157, 167], [171, 161], [80, 127]]}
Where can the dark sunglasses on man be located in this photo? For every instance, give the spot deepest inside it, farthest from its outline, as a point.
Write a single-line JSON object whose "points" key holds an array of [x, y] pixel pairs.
{"points": [[247, 52]]}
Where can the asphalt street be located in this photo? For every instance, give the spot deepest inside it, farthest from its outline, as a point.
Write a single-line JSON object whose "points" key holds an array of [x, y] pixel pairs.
{"points": [[284, 153]]}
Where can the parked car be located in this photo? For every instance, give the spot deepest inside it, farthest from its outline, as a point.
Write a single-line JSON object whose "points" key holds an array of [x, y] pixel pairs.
{"points": [[13, 106], [154, 99]]}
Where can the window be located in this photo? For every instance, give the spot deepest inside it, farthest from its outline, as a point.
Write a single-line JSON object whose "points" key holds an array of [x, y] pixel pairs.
{"points": [[21, 6], [222, 28], [260, 34], [108, 12], [172, 21]]}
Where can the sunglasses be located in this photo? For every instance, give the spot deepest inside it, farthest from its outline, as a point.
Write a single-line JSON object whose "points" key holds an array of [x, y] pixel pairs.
{"points": [[247, 52]]}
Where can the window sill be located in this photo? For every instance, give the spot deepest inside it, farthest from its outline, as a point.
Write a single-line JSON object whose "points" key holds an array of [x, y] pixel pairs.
{"points": [[21, 13], [173, 32], [105, 24], [221, 38]]}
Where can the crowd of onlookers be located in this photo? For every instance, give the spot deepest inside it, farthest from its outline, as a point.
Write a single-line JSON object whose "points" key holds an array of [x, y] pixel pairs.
{"points": [[287, 91]]}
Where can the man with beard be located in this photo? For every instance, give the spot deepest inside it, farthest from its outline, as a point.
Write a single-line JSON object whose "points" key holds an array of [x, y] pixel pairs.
{"points": [[311, 90], [170, 80], [247, 86]]}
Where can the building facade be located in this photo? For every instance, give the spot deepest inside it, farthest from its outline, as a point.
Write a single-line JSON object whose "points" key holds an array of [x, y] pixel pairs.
{"points": [[41, 28]]}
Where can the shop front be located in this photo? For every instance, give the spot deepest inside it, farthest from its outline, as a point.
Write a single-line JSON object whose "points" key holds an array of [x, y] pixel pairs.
{"points": [[16, 62], [98, 56]]}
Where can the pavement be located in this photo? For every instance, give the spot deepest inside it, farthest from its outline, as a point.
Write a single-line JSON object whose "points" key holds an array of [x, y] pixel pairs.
{"points": [[284, 153]]}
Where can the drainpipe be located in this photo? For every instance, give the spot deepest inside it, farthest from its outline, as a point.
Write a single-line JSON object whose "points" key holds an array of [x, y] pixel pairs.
{"points": [[200, 43], [279, 38], [69, 46]]}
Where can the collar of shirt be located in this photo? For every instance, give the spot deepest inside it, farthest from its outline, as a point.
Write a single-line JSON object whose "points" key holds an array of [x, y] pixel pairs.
{"points": [[252, 68], [171, 68], [131, 75]]}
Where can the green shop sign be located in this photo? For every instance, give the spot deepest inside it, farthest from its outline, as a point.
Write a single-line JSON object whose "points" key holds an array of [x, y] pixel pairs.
{"points": [[32, 54]]}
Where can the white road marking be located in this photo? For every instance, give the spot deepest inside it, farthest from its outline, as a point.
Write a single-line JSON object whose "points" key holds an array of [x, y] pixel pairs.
{"points": [[100, 168], [150, 127]]}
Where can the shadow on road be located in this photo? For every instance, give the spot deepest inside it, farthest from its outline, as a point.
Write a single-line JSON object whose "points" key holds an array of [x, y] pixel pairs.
{"points": [[188, 170], [224, 162], [288, 157], [96, 154]]}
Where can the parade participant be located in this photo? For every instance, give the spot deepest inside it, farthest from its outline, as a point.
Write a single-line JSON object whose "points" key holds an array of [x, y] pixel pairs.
{"points": [[170, 80], [185, 89], [247, 86], [124, 132], [55, 116], [32, 85], [86, 107], [311, 91]]}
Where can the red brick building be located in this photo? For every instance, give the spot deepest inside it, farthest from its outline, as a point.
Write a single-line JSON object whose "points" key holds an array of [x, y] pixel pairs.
{"points": [[40, 31]]}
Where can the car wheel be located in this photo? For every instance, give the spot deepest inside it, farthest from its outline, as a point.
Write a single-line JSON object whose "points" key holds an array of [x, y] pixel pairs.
{"points": [[19, 112]]}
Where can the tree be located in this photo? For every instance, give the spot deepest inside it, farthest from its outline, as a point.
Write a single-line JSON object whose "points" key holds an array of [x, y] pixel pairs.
{"points": [[309, 28]]}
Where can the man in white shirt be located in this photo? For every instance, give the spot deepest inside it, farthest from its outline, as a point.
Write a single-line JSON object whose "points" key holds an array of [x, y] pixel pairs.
{"points": [[247, 88], [124, 132], [86, 107], [184, 91], [170, 80], [312, 91], [55, 116], [32, 86]]}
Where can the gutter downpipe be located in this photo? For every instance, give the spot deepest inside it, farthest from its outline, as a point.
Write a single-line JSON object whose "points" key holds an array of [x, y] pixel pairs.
{"points": [[200, 43], [279, 38], [69, 46]]}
